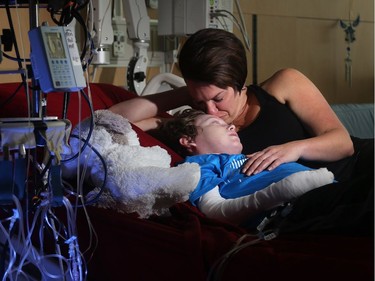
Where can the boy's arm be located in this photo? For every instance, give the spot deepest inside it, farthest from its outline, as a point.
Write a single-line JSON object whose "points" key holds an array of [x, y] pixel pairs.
{"points": [[238, 210]]}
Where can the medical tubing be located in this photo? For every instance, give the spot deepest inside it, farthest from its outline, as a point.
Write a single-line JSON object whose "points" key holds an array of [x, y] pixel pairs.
{"points": [[89, 133], [105, 169]]}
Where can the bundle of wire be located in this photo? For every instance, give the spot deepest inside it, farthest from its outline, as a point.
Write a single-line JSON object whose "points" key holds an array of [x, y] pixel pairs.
{"points": [[21, 260], [35, 243]]}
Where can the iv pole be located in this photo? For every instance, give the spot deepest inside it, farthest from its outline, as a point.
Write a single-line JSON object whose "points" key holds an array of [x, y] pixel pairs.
{"points": [[36, 97]]}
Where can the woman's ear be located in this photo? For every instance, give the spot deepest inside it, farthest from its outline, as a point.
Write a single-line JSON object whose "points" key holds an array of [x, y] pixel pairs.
{"points": [[188, 143]]}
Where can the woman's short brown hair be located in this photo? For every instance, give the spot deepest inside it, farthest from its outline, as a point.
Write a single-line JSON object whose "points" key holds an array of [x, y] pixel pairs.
{"points": [[214, 56]]}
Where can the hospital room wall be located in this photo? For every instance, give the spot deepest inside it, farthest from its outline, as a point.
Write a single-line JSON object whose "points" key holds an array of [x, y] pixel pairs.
{"points": [[306, 35], [21, 24], [303, 34]]}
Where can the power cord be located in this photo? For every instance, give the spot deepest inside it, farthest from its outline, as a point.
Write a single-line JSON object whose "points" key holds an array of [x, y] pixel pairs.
{"points": [[267, 230]]}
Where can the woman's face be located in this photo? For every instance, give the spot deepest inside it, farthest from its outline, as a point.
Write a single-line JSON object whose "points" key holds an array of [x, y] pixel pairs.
{"points": [[223, 103], [215, 136]]}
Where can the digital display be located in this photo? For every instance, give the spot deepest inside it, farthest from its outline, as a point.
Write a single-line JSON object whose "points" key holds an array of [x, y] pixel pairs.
{"points": [[55, 45]]}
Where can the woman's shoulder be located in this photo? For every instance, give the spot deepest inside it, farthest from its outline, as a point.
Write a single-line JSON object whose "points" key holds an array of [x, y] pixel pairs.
{"points": [[281, 76], [281, 82]]}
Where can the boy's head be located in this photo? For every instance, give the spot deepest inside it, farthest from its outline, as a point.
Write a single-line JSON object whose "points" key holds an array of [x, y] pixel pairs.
{"points": [[194, 132]]}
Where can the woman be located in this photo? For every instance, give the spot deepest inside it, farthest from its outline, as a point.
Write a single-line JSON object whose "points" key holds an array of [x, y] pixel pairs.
{"points": [[283, 119]]}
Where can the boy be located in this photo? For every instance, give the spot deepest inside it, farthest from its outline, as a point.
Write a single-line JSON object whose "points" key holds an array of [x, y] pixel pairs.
{"points": [[224, 192]]}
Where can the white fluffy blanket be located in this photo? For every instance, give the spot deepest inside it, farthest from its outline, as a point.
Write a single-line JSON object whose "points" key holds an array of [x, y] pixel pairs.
{"points": [[139, 179]]}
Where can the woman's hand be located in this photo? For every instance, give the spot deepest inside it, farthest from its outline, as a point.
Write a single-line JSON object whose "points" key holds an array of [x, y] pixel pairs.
{"points": [[271, 157]]}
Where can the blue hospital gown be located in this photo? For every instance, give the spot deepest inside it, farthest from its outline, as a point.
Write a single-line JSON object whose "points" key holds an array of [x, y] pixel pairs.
{"points": [[224, 170]]}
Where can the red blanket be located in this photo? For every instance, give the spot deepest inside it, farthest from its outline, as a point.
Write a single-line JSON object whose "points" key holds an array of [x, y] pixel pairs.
{"points": [[187, 245]]}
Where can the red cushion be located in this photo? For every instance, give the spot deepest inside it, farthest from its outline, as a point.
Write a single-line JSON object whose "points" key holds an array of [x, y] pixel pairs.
{"points": [[13, 103], [103, 96]]}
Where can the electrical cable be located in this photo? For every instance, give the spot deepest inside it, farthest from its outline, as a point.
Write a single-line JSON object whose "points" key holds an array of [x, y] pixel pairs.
{"points": [[107, 10], [5, 244], [65, 104], [232, 18], [29, 255], [267, 230], [93, 237], [90, 130], [5, 55], [86, 142], [43, 261], [15, 219], [105, 169], [3, 250], [89, 25], [69, 12], [223, 23], [80, 20], [241, 27], [11, 26], [57, 245], [27, 247], [39, 174], [66, 12], [74, 251], [12, 253], [25, 74], [216, 271], [80, 181], [245, 34]]}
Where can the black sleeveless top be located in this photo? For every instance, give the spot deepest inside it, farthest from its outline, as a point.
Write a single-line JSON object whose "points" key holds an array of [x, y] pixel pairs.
{"points": [[276, 124]]}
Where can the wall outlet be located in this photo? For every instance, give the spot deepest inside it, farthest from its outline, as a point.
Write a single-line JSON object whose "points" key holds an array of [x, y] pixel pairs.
{"points": [[119, 37], [119, 40]]}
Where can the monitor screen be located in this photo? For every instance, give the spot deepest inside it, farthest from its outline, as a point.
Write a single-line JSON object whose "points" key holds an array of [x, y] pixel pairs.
{"points": [[55, 45]]}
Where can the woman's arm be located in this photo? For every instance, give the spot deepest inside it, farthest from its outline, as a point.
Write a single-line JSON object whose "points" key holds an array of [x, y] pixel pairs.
{"points": [[331, 140], [148, 124], [145, 107]]}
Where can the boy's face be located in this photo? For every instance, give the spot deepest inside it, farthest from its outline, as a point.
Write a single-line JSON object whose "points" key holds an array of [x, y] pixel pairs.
{"points": [[215, 136]]}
